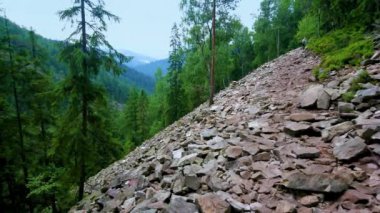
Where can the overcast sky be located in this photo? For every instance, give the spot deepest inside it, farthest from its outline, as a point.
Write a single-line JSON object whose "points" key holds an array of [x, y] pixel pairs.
{"points": [[145, 25]]}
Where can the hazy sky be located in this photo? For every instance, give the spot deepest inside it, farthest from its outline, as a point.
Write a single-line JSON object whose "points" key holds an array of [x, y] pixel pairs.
{"points": [[145, 25]]}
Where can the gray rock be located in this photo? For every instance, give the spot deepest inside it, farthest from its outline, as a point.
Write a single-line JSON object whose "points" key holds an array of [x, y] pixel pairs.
{"points": [[337, 130], [208, 168], [306, 152], [309, 200], [188, 159], [349, 148], [366, 94], [328, 183], [191, 169], [179, 205], [375, 148], [208, 134], [309, 97], [323, 101], [344, 107], [315, 95], [192, 182], [217, 143], [297, 129]]}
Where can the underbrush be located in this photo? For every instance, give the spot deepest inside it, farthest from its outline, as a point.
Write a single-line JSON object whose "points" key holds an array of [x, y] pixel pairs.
{"points": [[362, 78], [339, 48]]}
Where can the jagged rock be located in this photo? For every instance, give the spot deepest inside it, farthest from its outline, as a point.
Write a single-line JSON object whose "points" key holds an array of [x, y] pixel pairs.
{"points": [[208, 168], [328, 183], [339, 129], [192, 182], [217, 143], [302, 116], [178, 185], [177, 154], [217, 184], [376, 137], [306, 152], [208, 134], [192, 169], [366, 94], [128, 204], [250, 148], [263, 156], [212, 203], [323, 101], [375, 148], [315, 95], [345, 107], [188, 159], [179, 205], [285, 207], [309, 200], [233, 152], [297, 129], [350, 148]]}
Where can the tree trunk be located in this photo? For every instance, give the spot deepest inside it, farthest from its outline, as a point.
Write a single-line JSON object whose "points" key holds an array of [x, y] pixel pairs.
{"points": [[82, 163], [213, 57]]}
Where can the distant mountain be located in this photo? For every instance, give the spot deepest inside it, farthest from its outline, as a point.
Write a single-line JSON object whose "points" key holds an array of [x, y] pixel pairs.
{"points": [[117, 86], [151, 68], [138, 59]]}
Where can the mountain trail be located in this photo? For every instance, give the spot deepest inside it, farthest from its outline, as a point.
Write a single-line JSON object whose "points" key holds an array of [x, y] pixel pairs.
{"points": [[272, 142]]}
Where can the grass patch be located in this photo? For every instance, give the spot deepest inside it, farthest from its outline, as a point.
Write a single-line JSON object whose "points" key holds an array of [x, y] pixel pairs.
{"points": [[341, 47]]}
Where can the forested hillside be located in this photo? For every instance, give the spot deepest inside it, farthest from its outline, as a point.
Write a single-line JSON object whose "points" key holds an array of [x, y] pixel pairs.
{"points": [[69, 109]]}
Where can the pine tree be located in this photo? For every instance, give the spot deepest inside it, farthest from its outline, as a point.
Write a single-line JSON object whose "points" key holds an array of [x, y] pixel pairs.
{"points": [[86, 52], [175, 93]]}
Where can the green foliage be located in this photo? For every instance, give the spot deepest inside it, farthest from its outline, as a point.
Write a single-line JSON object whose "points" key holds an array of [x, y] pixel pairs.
{"points": [[308, 27], [348, 96], [341, 47]]}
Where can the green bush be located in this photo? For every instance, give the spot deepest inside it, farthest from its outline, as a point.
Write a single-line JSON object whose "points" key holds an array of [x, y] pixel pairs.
{"points": [[348, 96], [341, 47]]}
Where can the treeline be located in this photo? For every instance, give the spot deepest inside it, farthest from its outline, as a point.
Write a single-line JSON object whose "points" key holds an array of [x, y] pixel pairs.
{"points": [[57, 132], [338, 31]]}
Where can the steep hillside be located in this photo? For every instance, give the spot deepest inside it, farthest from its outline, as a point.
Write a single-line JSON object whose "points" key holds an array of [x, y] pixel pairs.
{"points": [[257, 150]]}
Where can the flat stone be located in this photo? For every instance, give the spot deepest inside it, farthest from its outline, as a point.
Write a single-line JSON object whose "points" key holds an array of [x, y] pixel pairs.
{"points": [[208, 168], [302, 116], [349, 149], [192, 169], [208, 134], [309, 200], [212, 203], [306, 152], [217, 143], [328, 183], [233, 152], [179, 205], [366, 94], [297, 129], [337, 130], [376, 137], [192, 182], [285, 207], [188, 159]]}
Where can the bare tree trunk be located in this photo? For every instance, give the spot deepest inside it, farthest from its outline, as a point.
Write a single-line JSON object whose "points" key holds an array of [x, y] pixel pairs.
{"points": [[212, 70]]}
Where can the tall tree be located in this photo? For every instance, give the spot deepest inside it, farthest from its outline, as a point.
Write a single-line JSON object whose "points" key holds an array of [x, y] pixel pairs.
{"points": [[175, 93], [86, 52]]}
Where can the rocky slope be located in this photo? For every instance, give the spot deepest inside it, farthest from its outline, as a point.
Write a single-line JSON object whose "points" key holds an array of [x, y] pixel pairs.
{"points": [[257, 150]]}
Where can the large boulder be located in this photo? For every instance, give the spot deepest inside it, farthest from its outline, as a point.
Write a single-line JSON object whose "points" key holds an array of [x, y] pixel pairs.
{"points": [[315, 96], [349, 148], [328, 183]]}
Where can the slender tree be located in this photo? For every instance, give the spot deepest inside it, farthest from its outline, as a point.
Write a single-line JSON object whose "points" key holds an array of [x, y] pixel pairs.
{"points": [[86, 52]]}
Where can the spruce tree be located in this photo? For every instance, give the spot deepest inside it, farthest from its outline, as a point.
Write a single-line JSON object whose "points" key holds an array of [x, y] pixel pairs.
{"points": [[86, 53]]}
